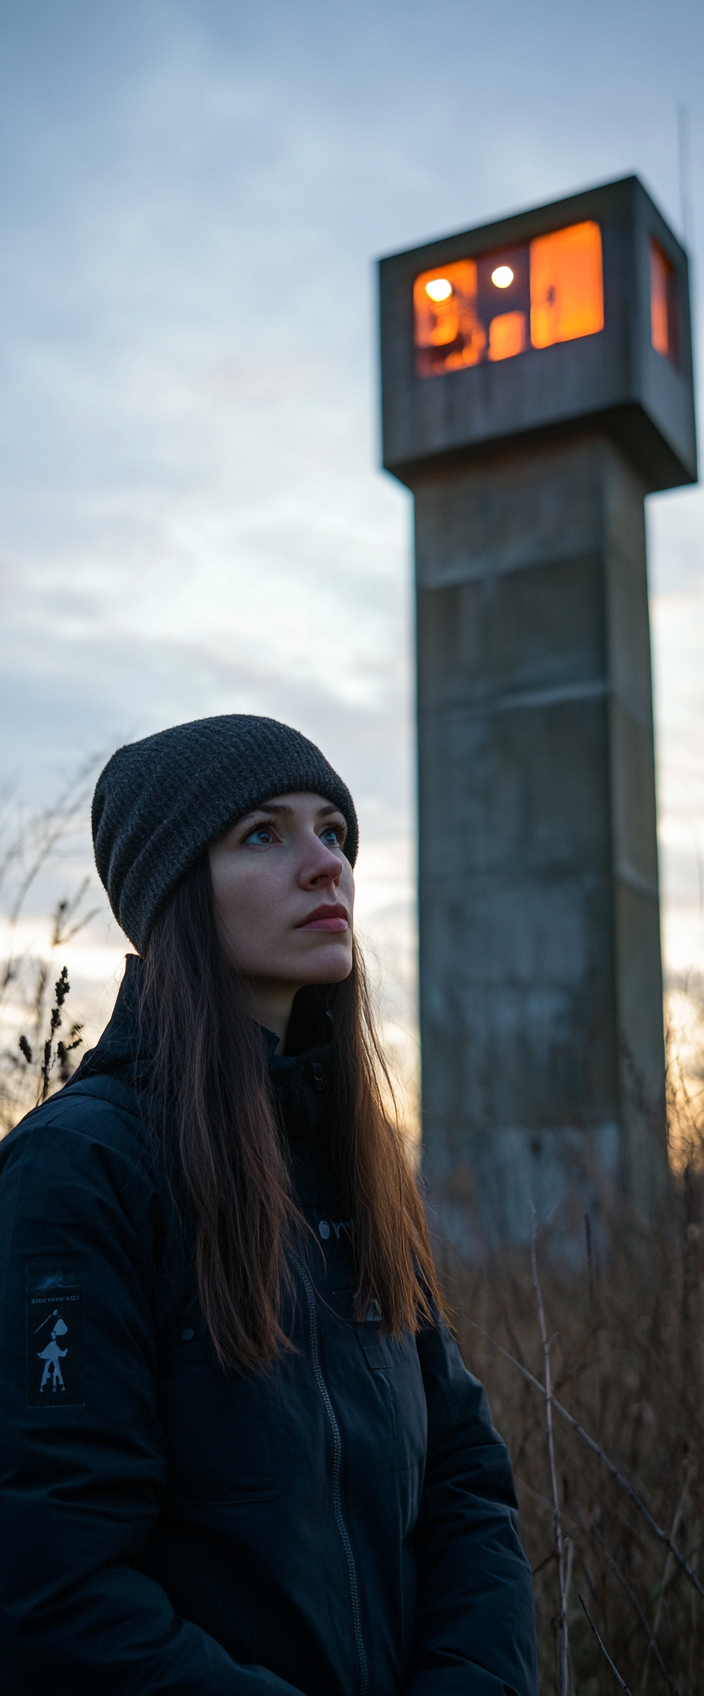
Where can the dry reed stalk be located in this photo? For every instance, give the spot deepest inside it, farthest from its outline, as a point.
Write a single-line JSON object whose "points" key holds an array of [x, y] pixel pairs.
{"points": [[605, 1651], [563, 1648], [633, 1599], [665, 1579], [603, 1457], [626, 1364]]}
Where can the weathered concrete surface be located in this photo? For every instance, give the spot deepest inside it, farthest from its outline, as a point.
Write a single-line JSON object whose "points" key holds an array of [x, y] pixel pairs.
{"points": [[541, 986]]}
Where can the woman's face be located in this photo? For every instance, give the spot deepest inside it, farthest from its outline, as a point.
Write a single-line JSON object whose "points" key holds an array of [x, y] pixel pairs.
{"points": [[284, 893]]}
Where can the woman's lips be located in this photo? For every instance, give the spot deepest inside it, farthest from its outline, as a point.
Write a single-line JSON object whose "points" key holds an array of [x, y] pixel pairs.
{"points": [[324, 924], [326, 918]]}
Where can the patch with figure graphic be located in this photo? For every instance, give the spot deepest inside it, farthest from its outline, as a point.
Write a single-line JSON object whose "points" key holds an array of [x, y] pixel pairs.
{"points": [[54, 1333]]}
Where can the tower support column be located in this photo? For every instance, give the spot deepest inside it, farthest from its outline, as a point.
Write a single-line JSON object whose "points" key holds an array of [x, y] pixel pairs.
{"points": [[540, 965]]}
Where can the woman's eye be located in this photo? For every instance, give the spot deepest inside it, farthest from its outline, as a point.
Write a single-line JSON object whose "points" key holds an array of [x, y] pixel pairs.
{"points": [[333, 836], [260, 836]]}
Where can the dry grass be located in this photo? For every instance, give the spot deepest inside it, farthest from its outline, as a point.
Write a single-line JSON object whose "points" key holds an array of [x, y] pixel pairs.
{"points": [[626, 1354], [37, 1038]]}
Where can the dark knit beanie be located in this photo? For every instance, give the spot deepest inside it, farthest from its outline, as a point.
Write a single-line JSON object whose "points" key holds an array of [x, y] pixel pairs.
{"points": [[159, 803]]}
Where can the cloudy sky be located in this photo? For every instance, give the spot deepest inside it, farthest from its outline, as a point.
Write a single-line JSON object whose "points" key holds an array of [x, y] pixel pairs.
{"points": [[193, 518]]}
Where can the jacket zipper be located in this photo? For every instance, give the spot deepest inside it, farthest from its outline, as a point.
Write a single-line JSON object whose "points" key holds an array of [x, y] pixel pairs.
{"points": [[336, 1478]]}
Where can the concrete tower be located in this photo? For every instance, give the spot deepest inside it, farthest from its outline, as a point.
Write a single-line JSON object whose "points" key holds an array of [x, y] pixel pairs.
{"points": [[536, 385]]}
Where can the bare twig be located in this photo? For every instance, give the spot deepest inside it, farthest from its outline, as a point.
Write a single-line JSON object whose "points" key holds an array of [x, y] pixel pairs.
{"points": [[597, 1450], [604, 1651], [593, 1531], [34, 844], [591, 1265], [63, 930], [35, 1060], [563, 1639], [569, 1563], [665, 1577]]}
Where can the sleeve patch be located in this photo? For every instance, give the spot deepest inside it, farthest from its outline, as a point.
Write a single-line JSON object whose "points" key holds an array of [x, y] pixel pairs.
{"points": [[54, 1333]]}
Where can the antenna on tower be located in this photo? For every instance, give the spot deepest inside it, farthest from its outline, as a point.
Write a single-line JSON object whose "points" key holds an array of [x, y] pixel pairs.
{"points": [[684, 171]]}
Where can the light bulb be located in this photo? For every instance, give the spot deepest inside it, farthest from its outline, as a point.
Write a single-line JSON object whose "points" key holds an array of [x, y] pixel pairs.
{"points": [[439, 289], [502, 277]]}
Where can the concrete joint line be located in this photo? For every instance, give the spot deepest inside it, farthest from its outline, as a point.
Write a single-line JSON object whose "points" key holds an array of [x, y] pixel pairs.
{"points": [[486, 570], [530, 699], [635, 880]]}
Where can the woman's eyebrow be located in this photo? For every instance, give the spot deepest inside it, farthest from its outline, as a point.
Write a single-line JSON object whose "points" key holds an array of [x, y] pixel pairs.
{"points": [[276, 807], [270, 807]]}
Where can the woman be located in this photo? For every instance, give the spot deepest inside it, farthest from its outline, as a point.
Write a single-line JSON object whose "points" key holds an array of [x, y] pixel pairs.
{"points": [[241, 1455]]}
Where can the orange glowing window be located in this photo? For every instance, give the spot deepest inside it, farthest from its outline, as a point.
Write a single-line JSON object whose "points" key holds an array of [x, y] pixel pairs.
{"points": [[566, 285], [448, 333], [507, 335], [494, 307], [664, 326]]}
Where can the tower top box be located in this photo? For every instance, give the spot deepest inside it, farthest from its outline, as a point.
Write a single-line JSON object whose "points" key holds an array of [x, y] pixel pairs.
{"points": [[568, 316]]}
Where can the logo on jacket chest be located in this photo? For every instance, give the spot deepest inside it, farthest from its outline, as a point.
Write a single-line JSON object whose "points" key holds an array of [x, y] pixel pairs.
{"points": [[54, 1333], [326, 1226]]}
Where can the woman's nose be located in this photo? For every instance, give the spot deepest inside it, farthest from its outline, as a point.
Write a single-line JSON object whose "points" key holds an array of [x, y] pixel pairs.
{"points": [[324, 867]]}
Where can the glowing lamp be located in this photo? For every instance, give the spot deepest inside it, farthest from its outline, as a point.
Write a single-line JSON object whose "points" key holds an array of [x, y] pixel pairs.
{"points": [[438, 288]]}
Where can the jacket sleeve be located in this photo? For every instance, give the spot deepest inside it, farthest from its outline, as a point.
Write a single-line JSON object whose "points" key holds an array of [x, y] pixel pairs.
{"points": [[83, 1468], [475, 1631]]}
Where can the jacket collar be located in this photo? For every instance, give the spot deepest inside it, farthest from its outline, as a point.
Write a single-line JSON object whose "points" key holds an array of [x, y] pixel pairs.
{"points": [[125, 1048]]}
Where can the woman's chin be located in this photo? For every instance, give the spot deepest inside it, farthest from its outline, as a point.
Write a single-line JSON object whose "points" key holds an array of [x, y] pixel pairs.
{"points": [[330, 964]]}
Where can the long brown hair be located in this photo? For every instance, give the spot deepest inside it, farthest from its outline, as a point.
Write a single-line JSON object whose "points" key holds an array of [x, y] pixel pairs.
{"points": [[212, 1101]]}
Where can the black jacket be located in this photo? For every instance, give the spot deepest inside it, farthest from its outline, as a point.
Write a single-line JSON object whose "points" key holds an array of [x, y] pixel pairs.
{"points": [[343, 1523]]}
